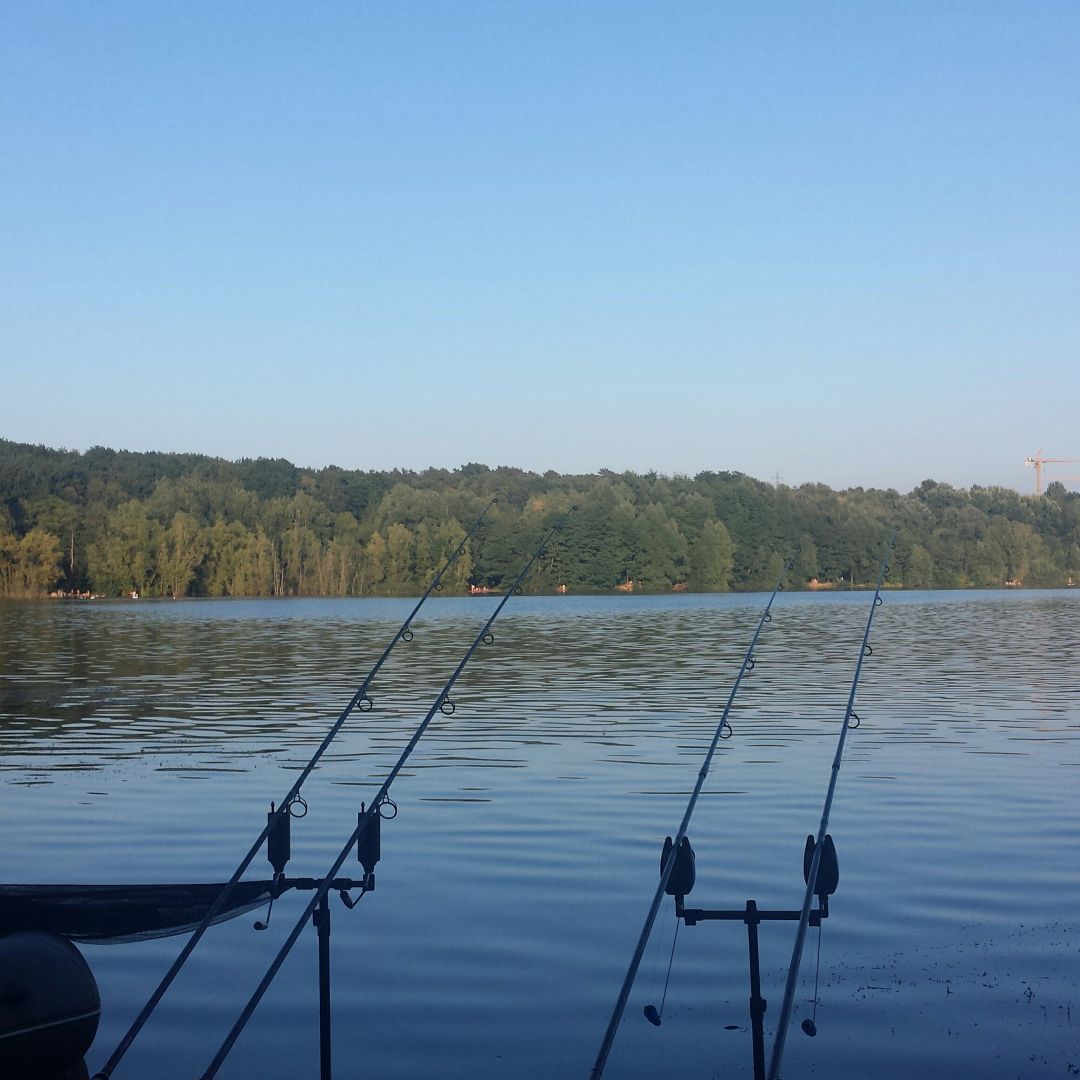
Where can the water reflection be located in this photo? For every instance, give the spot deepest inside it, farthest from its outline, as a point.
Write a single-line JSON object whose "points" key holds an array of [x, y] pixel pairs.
{"points": [[143, 743]]}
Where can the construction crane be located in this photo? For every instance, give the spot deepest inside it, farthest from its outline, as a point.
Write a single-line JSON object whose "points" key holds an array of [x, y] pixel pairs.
{"points": [[1039, 461]]}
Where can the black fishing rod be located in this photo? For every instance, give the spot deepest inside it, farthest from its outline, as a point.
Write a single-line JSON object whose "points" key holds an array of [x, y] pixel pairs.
{"points": [[815, 864], [442, 703], [361, 701], [672, 854]]}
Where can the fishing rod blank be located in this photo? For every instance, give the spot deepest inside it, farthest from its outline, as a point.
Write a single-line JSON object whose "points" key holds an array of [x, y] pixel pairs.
{"points": [[811, 878], [442, 703], [360, 701], [677, 844]]}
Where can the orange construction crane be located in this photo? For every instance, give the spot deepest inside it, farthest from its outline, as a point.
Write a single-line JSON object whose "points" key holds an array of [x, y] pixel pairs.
{"points": [[1039, 461]]}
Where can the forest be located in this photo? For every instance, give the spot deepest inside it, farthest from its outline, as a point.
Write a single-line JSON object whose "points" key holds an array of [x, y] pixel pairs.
{"points": [[111, 522]]}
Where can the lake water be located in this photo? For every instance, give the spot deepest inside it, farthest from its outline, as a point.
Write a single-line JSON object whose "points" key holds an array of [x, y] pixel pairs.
{"points": [[143, 742]]}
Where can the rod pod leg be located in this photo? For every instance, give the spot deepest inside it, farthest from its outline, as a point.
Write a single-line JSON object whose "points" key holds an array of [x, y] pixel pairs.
{"points": [[757, 1003], [321, 918]]}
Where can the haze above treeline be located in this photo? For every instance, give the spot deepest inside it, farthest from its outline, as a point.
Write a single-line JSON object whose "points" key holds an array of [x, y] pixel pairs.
{"points": [[112, 523]]}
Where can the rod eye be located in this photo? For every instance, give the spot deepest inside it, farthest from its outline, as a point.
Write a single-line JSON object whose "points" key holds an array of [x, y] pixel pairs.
{"points": [[406, 634], [365, 704], [447, 707], [853, 719], [488, 638]]}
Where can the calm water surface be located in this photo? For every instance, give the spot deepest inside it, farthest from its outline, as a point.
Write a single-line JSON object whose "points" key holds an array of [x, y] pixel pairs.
{"points": [[143, 741]]}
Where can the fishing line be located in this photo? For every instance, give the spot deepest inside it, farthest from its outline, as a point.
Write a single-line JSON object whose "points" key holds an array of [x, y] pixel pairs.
{"points": [[723, 726], [851, 720], [359, 701], [651, 1014], [809, 1025], [443, 698]]}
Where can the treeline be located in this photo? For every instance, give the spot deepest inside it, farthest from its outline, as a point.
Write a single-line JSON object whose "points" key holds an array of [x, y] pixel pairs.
{"points": [[112, 522]]}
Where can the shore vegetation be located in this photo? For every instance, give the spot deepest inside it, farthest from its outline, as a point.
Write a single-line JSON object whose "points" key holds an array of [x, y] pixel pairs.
{"points": [[112, 523]]}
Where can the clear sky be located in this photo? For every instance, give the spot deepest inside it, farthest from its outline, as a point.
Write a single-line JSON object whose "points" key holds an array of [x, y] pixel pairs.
{"points": [[834, 242]]}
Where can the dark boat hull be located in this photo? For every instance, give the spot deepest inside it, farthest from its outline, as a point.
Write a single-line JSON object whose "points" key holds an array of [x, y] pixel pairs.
{"points": [[120, 913]]}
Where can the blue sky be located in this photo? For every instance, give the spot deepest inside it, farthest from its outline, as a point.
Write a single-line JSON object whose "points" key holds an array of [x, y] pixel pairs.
{"points": [[834, 242]]}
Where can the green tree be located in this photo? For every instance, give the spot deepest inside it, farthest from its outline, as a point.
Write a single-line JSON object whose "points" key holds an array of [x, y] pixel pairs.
{"points": [[339, 567], [225, 543], [712, 556], [61, 518], [400, 559], [805, 566], [10, 573], [258, 570], [181, 549], [122, 559], [919, 573], [660, 550], [29, 567], [373, 565]]}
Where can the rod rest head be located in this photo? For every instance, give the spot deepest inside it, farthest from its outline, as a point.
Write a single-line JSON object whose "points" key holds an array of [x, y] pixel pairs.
{"points": [[684, 873]]}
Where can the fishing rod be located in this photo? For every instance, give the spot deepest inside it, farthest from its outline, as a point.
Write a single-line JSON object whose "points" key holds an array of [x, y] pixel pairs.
{"points": [[672, 852], [277, 821], [815, 863], [442, 703]]}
